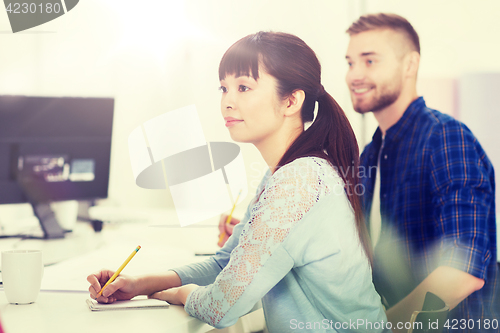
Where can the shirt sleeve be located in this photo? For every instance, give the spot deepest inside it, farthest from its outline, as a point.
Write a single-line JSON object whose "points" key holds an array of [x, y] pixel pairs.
{"points": [[462, 197], [205, 272], [259, 261]]}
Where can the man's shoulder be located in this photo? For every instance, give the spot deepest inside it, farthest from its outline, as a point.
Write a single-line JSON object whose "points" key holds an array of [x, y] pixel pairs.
{"points": [[441, 125], [428, 124], [436, 120]]}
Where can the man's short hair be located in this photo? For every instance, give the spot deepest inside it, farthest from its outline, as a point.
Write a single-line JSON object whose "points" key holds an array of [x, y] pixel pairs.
{"points": [[386, 21]]}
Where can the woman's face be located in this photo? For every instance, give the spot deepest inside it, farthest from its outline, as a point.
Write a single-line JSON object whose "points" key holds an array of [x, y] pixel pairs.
{"points": [[251, 108]]}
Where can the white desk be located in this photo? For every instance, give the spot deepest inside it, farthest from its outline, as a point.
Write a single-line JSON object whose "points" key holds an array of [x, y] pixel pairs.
{"points": [[65, 312]]}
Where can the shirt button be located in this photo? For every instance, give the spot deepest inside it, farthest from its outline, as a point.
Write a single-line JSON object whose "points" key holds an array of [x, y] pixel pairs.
{"points": [[385, 156], [384, 196]]}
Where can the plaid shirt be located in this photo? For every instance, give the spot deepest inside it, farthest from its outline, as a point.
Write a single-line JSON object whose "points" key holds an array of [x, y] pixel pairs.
{"points": [[437, 202]]}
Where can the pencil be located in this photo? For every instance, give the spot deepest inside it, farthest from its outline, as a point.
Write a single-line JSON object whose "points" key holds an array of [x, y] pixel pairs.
{"points": [[118, 271], [228, 220]]}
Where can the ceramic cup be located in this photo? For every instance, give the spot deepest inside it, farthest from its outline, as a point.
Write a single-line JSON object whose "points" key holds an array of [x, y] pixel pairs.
{"points": [[22, 272]]}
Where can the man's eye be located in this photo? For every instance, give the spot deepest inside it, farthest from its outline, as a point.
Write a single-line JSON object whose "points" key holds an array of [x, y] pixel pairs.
{"points": [[349, 64], [369, 62], [243, 88], [223, 89]]}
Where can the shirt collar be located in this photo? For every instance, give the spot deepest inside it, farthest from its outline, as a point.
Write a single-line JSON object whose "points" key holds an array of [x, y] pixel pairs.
{"points": [[397, 130]]}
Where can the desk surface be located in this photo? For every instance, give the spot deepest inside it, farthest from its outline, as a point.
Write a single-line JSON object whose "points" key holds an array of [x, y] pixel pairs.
{"points": [[64, 312]]}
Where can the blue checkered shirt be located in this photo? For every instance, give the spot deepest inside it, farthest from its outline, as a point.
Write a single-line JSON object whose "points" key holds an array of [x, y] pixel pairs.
{"points": [[437, 203]]}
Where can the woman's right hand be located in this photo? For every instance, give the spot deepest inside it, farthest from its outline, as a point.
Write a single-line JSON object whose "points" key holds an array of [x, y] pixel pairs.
{"points": [[122, 288], [226, 229]]}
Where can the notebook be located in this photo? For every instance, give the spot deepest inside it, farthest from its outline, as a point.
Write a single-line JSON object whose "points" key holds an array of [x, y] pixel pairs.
{"points": [[136, 303]]}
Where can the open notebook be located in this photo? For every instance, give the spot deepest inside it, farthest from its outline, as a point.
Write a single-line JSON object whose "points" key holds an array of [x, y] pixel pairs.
{"points": [[136, 303]]}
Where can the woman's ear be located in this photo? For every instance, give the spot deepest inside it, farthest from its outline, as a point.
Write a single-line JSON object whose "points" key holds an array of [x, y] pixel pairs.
{"points": [[295, 102]]}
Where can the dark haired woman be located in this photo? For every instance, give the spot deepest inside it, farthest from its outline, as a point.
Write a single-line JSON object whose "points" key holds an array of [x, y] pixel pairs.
{"points": [[301, 247]]}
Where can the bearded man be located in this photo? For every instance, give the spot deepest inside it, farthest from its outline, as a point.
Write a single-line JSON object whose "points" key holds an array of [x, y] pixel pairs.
{"points": [[430, 200]]}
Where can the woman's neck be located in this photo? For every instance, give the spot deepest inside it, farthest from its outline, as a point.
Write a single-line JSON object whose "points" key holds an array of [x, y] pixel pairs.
{"points": [[273, 148]]}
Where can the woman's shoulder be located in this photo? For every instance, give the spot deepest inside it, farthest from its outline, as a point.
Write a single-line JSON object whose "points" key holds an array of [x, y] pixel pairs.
{"points": [[307, 167], [313, 175]]}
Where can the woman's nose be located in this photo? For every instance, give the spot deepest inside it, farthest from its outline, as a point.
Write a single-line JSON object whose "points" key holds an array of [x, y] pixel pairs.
{"points": [[228, 100]]}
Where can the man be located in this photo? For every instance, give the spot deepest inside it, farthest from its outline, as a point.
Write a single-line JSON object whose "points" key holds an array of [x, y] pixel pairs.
{"points": [[429, 187]]}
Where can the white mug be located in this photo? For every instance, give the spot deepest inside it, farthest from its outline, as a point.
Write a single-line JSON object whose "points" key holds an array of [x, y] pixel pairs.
{"points": [[22, 272]]}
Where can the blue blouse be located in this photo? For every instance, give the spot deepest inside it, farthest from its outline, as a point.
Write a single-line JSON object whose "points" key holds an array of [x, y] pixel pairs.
{"points": [[297, 249]]}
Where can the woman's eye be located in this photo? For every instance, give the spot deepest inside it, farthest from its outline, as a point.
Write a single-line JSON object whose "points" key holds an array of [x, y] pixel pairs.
{"points": [[369, 62], [243, 88], [223, 89]]}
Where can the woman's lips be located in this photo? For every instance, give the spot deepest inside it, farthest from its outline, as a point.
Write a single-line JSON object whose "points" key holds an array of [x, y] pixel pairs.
{"points": [[232, 121]]}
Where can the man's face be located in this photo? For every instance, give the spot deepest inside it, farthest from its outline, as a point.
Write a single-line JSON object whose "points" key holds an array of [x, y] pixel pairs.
{"points": [[375, 75]]}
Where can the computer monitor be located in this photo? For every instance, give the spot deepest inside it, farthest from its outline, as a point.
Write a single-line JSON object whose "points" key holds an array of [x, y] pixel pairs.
{"points": [[54, 149]]}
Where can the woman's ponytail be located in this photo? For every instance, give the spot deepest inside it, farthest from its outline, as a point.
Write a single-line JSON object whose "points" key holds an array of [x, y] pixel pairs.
{"points": [[331, 137]]}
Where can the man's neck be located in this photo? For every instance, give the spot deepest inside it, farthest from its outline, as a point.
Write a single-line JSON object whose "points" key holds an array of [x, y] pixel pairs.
{"points": [[389, 116]]}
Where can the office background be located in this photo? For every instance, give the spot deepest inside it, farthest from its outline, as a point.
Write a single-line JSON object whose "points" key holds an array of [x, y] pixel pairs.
{"points": [[156, 56]]}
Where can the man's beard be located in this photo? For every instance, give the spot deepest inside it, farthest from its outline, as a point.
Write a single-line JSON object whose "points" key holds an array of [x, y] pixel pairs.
{"points": [[379, 103]]}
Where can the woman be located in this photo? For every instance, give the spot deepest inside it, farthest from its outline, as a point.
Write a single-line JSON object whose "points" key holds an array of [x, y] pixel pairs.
{"points": [[302, 247]]}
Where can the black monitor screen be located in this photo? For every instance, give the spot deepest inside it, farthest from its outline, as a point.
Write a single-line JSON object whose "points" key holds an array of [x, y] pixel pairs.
{"points": [[54, 148]]}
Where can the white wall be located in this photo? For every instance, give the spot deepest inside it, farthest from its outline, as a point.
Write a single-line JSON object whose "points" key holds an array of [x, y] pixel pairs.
{"points": [[155, 56]]}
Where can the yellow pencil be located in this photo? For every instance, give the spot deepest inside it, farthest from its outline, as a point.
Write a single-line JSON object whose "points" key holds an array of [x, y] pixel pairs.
{"points": [[118, 271], [229, 217]]}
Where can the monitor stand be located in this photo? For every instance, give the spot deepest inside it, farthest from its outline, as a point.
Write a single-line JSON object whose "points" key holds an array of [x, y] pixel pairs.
{"points": [[50, 226], [42, 210]]}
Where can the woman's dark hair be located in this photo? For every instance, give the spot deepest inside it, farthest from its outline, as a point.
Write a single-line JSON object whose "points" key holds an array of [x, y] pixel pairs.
{"points": [[295, 67]]}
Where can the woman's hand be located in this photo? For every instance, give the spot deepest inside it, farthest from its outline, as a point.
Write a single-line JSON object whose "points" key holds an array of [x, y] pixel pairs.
{"points": [[227, 229], [176, 295], [122, 288]]}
